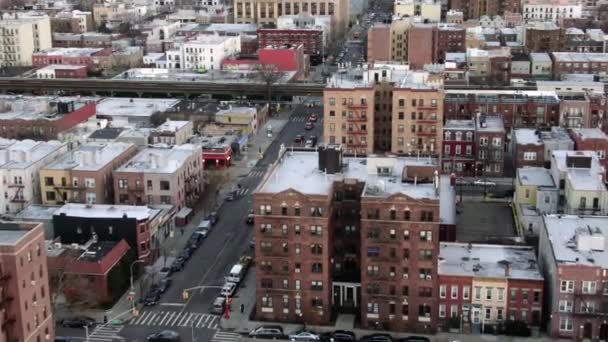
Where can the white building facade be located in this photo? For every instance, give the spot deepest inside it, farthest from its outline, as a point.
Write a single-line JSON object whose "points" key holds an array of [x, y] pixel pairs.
{"points": [[206, 52], [551, 10]]}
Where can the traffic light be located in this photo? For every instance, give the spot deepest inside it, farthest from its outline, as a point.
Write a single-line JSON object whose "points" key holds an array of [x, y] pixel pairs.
{"points": [[185, 295]]}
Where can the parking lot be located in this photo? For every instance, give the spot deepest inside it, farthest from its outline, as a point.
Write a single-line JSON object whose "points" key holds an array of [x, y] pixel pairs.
{"points": [[485, 221]]}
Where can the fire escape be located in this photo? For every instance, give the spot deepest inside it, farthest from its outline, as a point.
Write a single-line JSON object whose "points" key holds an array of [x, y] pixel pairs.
{"points": [[8, 320], [357, 128], [589, 310], [192, 190], [75, 188], [18, 196]]}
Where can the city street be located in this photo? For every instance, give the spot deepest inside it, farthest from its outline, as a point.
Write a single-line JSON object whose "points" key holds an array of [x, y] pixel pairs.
{"points": [[227, 242]]}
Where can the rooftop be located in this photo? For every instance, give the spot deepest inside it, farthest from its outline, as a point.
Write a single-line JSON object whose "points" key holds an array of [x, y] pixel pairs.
{"points": [[68, 52], [245, 111], [527, 136], [398, 74], [560, 158], [535, 176], [459, 124], [116, 106], [487, 123], [160, 160], [481, 260], [585, 180], [216, 142], [578, 239], [62, 67], [107, 133], [107, 211], [558, 134], [37, 211], [18, 107], [21, 154], [89, 157], [231, 28], [172, 125], [592, 57], [208, 39], [12, 232], [589, 133]]}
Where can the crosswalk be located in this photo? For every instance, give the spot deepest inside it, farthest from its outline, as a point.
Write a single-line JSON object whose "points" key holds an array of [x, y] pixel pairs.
{"points": [[105, 333], [222, 336], [176, 319], [256, 173], [242, 191]]}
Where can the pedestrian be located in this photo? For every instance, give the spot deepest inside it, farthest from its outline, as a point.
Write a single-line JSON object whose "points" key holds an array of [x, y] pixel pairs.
{"points": [[242, 308]]}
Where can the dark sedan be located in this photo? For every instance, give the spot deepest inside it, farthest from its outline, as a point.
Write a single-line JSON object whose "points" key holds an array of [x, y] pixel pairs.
{"points": [[77, 322]]}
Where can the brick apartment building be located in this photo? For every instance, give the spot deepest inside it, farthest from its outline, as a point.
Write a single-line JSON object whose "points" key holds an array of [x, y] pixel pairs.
{"points": [[312, 40], [532, 109], [139, 226], [473, 9], [41, 117], [591, 139], [486, 285], [572, 254], [316, 253], [84, 40], [592, 63], [490, 141], [25, 284], [543, 37], [87, 270], [528, 148], [84, 175], [161, 176], [384, 108], [459, 149]]}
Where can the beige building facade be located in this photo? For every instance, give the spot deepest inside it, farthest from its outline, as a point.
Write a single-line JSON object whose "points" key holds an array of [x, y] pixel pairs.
{"points": [[266, 12], [21, 35], [425, 9], [84, 175]]}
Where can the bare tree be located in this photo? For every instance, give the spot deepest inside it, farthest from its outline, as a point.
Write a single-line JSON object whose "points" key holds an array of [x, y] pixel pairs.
{"points": [[269, 74]]}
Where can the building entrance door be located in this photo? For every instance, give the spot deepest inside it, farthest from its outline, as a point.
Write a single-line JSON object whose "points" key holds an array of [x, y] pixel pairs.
{"points": [[476, 316], [346, 295]]}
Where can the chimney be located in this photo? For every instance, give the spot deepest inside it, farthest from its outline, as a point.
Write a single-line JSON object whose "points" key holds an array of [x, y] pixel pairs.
{"points": [[507, 269]]}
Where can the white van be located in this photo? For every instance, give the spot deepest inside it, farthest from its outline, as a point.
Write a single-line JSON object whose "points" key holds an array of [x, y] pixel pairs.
{"points": [[236, 274]]}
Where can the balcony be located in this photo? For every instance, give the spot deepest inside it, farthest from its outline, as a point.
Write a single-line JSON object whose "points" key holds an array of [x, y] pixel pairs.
{"points": [[357, 106], [16, 185]]}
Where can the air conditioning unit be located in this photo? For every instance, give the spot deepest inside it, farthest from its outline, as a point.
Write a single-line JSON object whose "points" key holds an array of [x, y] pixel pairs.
{"points": [[428, 277], [405, 276], [392, 274]]}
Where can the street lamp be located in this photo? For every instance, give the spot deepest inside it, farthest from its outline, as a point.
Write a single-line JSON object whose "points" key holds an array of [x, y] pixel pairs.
{"points": [[131, 281]]}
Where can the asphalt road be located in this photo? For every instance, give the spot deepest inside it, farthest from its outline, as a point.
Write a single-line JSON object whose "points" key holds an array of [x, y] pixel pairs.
{"points": [[227, 242]]}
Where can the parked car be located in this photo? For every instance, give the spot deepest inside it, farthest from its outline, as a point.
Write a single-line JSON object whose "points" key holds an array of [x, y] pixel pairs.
{"points": [[252, 243], [304, 336], [250, 217], [219, 305], [231, 196], [152, 297], [77, 322], [308, 126], [339, 336], [377, 338], [228, 289], [165, 272], [414, 339], [309, 144], [195, 240], [312, 118], [482, 182], [203, 228], [462, 181], [164, 284], [178, 264], [267, 331], [164, 336], [213, 218], [298, 139], [185, 253]]}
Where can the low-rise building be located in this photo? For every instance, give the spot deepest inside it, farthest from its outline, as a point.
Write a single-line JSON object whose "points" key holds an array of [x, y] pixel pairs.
{"points": [[551, 10], [592, 63], [137, 225], [542, 36], [25, 279], [429, 10], [172, 132], [310, 39], [20, 163], [487, 285], [458, 153], [161, 176], [205, 52], [247, 120], [84, 175], [572, 256], [136, 111], [86, 270], [536, 194], [92, 58], [74, 21], [489, 144], [528, 148], [62, 71], [284, 59], [541, 65], [42, 117], [84, 40], [557, 139], [591, 139]]}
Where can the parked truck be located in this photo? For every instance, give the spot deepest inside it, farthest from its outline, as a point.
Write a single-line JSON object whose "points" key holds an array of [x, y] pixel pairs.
{"points": [[238, 271]]}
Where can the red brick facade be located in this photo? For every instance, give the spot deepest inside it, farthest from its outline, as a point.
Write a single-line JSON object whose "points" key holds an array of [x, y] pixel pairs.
{"points": [[312, 40]]}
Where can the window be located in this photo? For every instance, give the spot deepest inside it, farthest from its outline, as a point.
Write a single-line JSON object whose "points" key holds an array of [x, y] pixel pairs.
{"points": [[426, 235], [89, 182], [501, 293], [442, 291], [454, 294], [316, 285], [48, 181], [267, 302], [425, 254], [50, 196], [489, 293], [316, 230], [316, 249], [317, 267], [488, 313], [536, 296], [565, 324], [499, 314], [441, 310], [567, 286], [123, 183], [466, 292], [529, 155], [477, 292], [589, 287]]}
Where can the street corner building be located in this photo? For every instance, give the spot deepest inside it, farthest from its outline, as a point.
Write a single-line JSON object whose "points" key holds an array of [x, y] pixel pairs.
{"points": [[340, 234], [24, 284]]}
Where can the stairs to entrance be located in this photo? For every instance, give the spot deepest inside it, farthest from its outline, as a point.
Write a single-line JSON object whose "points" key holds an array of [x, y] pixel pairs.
{"points": [[345, 322]]}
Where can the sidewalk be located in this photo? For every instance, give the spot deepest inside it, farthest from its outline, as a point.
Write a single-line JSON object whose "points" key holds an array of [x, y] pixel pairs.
{"points": [[208, 202]]}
